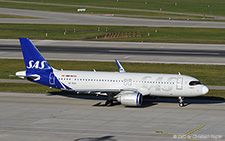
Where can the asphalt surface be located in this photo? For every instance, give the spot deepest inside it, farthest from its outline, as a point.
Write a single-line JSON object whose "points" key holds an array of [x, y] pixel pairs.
{"points": [[66, 117], [124, 51], [89, 19]]}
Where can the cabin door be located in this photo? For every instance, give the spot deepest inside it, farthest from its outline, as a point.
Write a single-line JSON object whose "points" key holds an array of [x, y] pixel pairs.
{"points": [[179, 83]]}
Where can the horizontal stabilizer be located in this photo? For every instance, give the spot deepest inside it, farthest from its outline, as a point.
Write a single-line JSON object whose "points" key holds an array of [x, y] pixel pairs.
{"points": [[22, 74]]}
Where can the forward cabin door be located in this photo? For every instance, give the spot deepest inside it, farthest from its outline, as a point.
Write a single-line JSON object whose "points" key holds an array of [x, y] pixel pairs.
{"points": [[179, 83]]}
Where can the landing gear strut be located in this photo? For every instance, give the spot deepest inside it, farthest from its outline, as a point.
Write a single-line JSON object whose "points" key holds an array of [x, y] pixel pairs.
{"points": [[109, 102], [181, 102]]}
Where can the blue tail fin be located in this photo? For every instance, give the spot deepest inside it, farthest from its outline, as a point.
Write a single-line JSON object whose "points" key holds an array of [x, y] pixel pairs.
{"points": [[38, 70], [34, 61]]}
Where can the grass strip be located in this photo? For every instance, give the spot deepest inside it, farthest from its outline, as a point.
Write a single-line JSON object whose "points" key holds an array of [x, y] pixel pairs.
{"points": [[87, 32], [214, 94], [207, 74], [25, 88], [37, 88], [208, 7]]}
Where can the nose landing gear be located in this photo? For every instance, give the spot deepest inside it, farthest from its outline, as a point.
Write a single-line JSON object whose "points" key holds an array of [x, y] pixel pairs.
{"points": [[181, 102]]}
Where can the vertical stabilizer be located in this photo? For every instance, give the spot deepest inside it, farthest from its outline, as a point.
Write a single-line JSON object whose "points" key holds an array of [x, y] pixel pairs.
{"points": [[33, 60], [38, 70]]}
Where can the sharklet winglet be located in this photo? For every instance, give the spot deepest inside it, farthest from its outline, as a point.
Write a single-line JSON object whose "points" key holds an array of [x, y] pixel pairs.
{"points": [[120, 67]]}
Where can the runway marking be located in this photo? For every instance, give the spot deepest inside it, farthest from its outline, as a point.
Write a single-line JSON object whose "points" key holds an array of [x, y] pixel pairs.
{"points": [[164, 132], [173, 135], [183, 136], [127, 57], [163, 52], [193, 130]]}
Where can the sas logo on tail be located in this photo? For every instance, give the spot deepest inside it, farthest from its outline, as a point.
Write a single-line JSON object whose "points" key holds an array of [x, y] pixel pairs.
{"points": [[36, 65]]}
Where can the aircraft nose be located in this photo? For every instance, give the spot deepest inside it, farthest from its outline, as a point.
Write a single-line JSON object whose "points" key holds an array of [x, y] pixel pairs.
{"points": [[205, 90]]}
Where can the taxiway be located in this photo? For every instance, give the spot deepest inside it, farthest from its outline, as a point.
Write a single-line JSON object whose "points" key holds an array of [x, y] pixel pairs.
{"points": [[60, 117], [91, 19], [171, 53]]}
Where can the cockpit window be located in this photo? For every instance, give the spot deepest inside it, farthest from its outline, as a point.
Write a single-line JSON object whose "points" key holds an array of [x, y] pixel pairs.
{"points": [[193, 83]]}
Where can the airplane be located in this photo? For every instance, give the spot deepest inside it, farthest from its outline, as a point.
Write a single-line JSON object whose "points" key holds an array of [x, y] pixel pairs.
{"points": [[124, 87]]}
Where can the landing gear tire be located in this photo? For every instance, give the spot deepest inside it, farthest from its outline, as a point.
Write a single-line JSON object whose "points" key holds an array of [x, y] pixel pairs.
{"points": [[181, 104], [109, 103]]}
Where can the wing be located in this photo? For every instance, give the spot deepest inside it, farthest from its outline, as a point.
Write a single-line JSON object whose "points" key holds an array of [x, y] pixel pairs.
{"points": [[99, 91]]}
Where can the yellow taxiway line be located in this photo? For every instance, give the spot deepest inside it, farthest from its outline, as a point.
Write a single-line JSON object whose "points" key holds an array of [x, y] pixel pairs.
{"points": [[183, 136]]}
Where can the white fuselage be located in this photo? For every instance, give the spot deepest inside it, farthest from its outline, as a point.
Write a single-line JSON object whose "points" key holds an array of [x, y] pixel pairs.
{"points": [[145, 83]]}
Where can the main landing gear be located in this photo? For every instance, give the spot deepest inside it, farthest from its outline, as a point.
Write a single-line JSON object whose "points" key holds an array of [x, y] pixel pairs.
{"points": [[109, 102], [181, 102]]}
